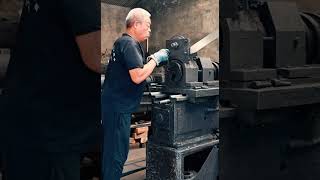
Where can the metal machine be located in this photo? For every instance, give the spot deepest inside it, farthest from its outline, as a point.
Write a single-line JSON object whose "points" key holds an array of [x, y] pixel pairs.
{"points": [[185, 121], [269, 91]]}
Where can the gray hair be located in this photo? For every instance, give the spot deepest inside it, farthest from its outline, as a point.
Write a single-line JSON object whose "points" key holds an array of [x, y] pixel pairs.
{"points": [[136, 14]]}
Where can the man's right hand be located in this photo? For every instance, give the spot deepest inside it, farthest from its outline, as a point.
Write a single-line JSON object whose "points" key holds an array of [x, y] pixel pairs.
{"points": [[161, 56]]}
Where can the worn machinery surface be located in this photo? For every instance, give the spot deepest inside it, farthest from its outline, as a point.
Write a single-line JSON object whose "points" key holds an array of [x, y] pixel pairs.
{"points": [[185, 121], [270, 80]]}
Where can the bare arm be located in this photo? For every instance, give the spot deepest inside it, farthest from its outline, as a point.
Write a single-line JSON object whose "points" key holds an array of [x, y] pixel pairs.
{"points": [[138, 75], [89, 45]]}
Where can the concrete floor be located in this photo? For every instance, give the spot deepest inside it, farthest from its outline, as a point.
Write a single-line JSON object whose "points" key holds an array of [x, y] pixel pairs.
{"points": [[136, 159]]}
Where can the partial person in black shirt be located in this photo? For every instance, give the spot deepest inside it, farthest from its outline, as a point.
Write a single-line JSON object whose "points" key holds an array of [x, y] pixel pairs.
{"points": [[123, 89], [53, 90]]}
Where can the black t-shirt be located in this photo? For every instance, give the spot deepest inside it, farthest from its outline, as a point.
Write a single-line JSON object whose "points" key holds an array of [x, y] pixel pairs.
{"points": [[119, 92], [57, 96]]}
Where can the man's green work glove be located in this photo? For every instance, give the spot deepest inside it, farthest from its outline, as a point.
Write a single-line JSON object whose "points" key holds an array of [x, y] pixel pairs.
{"points": [[161, 56]]}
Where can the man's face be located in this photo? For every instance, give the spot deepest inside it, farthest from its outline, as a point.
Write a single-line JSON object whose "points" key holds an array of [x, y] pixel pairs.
{"points": [[143, 29]]}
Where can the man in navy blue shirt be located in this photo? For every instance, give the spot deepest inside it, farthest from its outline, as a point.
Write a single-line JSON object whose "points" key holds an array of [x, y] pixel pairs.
{"points": [[53, 90], [123, 89]]}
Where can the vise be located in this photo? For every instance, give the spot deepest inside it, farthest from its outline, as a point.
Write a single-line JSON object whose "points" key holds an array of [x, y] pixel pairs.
{"points": [[185, 121], [187, 73]]}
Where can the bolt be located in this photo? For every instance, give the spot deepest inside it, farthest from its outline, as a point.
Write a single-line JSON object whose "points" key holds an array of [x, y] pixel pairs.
{"points": [[174, 45]]}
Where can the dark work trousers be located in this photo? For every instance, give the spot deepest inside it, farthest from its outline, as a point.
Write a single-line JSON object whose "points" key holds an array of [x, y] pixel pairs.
{"points": [[27, 164], [116, 128]]}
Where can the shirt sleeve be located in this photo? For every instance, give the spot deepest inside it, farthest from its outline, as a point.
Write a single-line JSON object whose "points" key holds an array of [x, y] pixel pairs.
{"points": [[82, 16], [132, 56]]}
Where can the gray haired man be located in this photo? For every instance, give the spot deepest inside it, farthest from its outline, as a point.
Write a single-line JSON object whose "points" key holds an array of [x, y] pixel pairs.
{"points": [[123, 89]]}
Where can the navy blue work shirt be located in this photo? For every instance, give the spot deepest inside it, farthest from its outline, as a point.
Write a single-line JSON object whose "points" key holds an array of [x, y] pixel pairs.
{"points": [[119, 92], [53, 98]]}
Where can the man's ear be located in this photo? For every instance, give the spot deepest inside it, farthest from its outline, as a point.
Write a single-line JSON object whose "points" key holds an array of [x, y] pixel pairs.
{"points": [[135, 24]]}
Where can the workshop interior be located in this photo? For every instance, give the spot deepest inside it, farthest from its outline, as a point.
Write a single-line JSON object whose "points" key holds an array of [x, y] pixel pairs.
{"points": [[238, 99], [178, 118]]}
